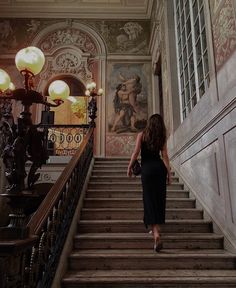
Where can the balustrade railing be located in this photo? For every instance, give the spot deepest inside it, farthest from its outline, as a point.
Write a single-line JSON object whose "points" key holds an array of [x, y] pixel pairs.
{"points": [[32, 262], [64, 140]]}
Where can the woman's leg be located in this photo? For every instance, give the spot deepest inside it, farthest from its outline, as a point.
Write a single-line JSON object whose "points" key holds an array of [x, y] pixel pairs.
{"points": [[155, 231], [157, 237]]}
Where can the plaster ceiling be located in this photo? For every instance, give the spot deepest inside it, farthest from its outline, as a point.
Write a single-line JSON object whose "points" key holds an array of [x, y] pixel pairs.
{"points": [[86, 9]]}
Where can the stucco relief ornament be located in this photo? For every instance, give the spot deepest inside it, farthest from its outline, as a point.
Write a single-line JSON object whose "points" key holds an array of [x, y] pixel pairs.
{"points": [[133, 29], [46, 177], [7, 37], [130, 40], [69, 36], [68, 61], [5, 29], [33, 26]]}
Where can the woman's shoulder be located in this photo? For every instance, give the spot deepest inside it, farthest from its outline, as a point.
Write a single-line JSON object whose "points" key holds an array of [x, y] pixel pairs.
{"points": [[140, 135]]}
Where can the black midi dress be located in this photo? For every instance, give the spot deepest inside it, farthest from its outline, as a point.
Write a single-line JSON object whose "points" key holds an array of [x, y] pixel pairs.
{"points": [[153, 178]]}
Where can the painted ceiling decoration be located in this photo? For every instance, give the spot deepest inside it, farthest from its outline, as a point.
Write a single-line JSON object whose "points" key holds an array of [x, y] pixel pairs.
{"points": [[121, 37]]}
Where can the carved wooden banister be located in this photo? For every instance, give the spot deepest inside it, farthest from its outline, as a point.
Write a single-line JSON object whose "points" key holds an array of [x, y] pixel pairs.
{"points": [[41, 214], [34, 261]]}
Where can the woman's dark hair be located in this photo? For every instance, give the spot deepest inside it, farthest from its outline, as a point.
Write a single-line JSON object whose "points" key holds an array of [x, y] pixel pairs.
{"points": [[155, 133]]}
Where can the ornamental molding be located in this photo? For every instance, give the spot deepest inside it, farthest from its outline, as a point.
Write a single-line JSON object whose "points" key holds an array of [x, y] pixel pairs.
{"points": [[69, 61], [65, 37], [69, 33]]}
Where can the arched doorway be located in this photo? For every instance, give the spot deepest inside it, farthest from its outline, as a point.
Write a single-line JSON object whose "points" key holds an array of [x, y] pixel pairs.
{"points": [[75, 50], [67, 113]]}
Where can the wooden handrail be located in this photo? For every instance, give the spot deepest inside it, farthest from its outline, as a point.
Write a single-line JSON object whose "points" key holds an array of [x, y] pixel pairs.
{"points": [[41, 215]]}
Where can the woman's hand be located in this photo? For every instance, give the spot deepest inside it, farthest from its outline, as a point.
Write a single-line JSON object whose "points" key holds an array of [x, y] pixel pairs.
{"points": [[168, 178], [129, 171]]}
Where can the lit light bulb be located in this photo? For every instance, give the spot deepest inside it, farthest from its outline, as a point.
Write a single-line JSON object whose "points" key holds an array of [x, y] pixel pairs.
{"points": [[100, 92], [87, 93], [91, 86], [31, 59], [12, 87], [4, 80], [58, 90]]}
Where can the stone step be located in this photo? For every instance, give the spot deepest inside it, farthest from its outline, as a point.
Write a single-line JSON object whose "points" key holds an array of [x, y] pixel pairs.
{"points": [[150, 278], [137, 226], [127, 185], [145, 241], [135, 203], [112, 170], [111, 159], [136, 213], [96, 193], [114, 249], [109, 259], [120, 178]]}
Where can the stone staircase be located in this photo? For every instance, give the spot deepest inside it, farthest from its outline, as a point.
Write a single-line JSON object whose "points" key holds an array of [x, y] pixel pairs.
{"points": [[113, 248]]}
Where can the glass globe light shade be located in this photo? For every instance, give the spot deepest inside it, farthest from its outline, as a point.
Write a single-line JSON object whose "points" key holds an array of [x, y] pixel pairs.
{"points": [[93, 85], [12, 87], [90, 86], [31, 59], [4, 80], [58, 90], [87, 93], [100, 91]]}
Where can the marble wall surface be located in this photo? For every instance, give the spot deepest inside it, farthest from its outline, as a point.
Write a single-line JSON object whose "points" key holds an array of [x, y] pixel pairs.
{"points": [[203, 148]]}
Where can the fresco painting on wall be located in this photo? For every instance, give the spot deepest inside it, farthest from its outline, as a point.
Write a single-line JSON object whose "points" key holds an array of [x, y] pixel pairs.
{"points": [[224, 27], [121, 37], [127, 103]]}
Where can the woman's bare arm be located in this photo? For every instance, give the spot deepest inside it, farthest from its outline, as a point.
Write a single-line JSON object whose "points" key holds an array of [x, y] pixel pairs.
{"points": [[165, 158]]}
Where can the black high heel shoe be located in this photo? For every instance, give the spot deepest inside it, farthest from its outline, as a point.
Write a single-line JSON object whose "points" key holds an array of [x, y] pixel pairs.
{"points": [[158, 245]]}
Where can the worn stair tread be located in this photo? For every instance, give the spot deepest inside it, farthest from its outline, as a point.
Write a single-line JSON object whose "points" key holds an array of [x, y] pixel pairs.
{"points": [[151, 277], [166, 236], [174, 221], [127, 181], [179, 273], [136, 209], [134, 199], [121, 176], [130, 190], [149, 253]]}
